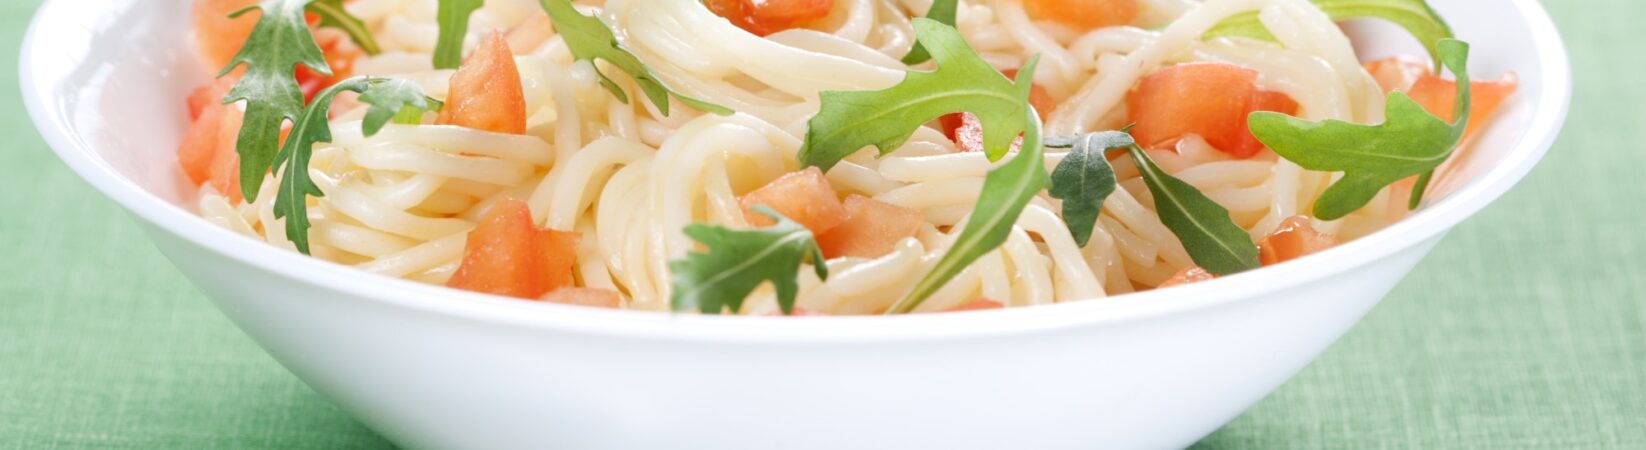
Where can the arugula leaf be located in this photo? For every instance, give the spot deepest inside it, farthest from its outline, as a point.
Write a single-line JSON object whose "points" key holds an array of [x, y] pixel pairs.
{"points": [[963, 82], [333, 15], [453, 17], [1006, 191], [395, 99], [1409, 142], [278, 42], [589, 38], [735, 262], [1084, 179], [941, 11], [386, 97], [1212, 239], [1414, 15]]}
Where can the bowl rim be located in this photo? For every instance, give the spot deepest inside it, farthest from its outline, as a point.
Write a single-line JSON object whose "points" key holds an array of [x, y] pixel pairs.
{"points": [[1426, 224]]}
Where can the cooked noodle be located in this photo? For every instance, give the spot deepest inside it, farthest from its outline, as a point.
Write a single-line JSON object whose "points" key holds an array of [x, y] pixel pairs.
{"points": [[629, 179]]}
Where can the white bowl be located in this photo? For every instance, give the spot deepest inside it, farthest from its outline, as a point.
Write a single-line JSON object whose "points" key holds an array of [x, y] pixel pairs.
{"points": [[434, 368]]}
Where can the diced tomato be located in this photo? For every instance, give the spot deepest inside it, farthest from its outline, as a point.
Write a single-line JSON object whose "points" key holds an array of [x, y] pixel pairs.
{"points": [[764, 17], [967, 130], [225, 162], [340, 54], [1208, 99], [1191, 274], [507, 254], [1295, 238], [199, 144], [598, 298], [1084, 14], [977, 305], [1439, 96], [218, 37], [486, 93], [871, 229], [804, 197], [1397, 73], [212, 94]]}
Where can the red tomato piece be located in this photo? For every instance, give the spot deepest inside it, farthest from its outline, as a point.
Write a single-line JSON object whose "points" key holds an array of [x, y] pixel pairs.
{"points": [[225, 162], [1085, 14], [340, 54], [486, 93], [804, 197], [218, 37], [598, 298], [977, 305], [1439, 97], [967, 130], [871, 229], [507, 254], [1191, 274], [1208, 99], [764, 17], [1296, 237]]}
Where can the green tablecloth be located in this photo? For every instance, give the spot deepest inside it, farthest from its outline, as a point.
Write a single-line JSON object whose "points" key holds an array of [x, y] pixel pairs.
{"points": [[1525, 329]]}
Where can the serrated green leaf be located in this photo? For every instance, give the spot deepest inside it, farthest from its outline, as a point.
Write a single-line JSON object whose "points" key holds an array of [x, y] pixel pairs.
{"points": [[963, 82], [1212, 239], [588, 38], [386, 97], [277, 44], [1414, 15], [942, 11], [453, 18], [1006, 191], [333, 15], [390, 99], [1409, 142], [1084, 179], [735, 262]]}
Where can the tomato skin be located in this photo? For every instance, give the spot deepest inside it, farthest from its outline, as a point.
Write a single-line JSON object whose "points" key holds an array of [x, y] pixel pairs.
{"points": [[1084, 14], [1212, 100], [486, 93], [1294, 238], [764, 17], [804, 197], [508, 255]]}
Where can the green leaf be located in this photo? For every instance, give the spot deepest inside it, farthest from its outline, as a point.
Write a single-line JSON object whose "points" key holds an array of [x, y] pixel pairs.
{"points": [[279, 42], [589, 39], [942, 11], [333, 15], [1084, 179], [386, 97], [1212, 239], [1006, 191], [1414, 15], [453, 17], [735, 262], [963, 82], [392, 98], [1409, 142]]}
